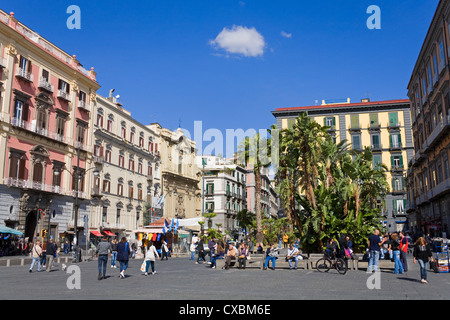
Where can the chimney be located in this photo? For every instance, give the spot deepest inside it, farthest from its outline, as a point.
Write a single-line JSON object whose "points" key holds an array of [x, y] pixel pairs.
{"points": [[365, 100]]}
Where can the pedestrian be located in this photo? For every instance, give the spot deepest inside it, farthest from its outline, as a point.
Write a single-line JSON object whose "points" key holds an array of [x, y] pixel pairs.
{"points": [[50, 253], [395, 246], [219, 253], [231, 255], [123, 254], [403, 250], [113, 253], [251, 246], [164, 251], [201, 251], [422, 254], [66, 247], [374, 244], [36, 254], [102, 251], [243, 255], [150, 257], [285, 240], [271, 255], [192, 249], [331, 248]]}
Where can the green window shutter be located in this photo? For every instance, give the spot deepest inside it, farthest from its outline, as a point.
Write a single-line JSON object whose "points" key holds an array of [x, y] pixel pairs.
{"points": [[390, 140], [392, 161], [393, 118], [334, 121], [401, 161], [400, 139], [324, 121], [394, 205]]}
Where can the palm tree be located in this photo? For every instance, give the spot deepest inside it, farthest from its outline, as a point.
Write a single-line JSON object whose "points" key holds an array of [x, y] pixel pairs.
{"points": [[255, 152]]}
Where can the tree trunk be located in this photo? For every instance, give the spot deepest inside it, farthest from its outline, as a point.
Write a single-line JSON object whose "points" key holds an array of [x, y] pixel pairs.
{"points": [[259, 229]]}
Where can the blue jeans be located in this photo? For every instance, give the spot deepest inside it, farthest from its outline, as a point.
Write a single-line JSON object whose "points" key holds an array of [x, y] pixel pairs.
{"points": [[290, 262], [266, 263], [38, 260], [113, 258], [149, 263], [373, 260], [398, 267], [423, 269], [102, 261], [123, 265], [192, 255]]}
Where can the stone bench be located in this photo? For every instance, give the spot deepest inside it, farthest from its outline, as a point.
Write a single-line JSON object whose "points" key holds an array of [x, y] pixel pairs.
{"points": [[255, 260]]}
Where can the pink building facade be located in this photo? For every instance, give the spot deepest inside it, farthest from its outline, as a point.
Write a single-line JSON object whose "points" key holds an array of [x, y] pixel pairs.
{"points": [[45, 132]]}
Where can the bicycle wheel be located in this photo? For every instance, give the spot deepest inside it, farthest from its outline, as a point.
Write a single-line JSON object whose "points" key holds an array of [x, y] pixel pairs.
{"points": [[341, 266], [323, 265]]}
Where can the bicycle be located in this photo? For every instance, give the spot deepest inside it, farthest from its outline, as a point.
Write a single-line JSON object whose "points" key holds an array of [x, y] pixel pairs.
{"points": [[325, 264]]}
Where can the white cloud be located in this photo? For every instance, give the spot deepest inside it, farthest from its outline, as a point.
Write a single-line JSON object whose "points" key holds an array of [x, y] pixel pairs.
{"points": [[286, 35], [240, 40]]}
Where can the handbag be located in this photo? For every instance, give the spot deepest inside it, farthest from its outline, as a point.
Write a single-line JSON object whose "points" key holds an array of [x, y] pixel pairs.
{"points": [[143, 266]]}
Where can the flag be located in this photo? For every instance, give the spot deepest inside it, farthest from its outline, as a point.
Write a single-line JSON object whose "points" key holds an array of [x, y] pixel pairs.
{"points": [[176, 227], [171, 225]]}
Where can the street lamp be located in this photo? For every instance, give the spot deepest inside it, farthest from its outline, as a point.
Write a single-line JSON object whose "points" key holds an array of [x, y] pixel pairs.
{"points": [[78, 178]]}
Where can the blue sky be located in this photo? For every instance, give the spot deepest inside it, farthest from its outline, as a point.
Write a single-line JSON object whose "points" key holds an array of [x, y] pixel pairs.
{"points": [[161, 58]]}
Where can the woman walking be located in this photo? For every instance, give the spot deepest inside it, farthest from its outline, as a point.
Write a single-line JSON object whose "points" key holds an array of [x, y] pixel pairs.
{"points": [[395, 246], [422, 254], [123, 254], [150, 257]]}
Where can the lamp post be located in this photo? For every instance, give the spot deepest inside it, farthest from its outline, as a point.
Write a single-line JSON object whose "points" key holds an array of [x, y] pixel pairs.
{"points": [[79, 176]]}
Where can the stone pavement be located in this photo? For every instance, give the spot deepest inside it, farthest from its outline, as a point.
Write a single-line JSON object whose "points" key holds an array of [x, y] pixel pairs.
{"points": [[182, 279]]}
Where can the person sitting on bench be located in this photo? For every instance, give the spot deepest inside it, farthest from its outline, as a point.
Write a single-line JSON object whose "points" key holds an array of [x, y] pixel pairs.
{"points": [[231, 255]]}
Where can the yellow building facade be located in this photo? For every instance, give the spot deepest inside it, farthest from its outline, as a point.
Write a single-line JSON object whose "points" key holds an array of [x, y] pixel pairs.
{"points": [[384, 126]]}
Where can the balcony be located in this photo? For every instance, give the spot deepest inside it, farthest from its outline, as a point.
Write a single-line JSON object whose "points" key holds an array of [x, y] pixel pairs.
{"points": [[98, 159], [35, 185], [397, 167], [440, 130], [32, 127], [96, 192], [374, 126], [354, 127], [81, 145], [81, 194], [83, 105], [395, 146], [376, 147], [23, 74], [43, 84], [391, 125], [63, 95], [149, 177]]}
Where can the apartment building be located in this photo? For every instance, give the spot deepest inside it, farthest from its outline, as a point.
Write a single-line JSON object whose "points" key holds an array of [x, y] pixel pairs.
{"points": [[180, 177], [224, 185], [46, 100], [269, 208], [384, 126], [127, 154], [428, 91]]}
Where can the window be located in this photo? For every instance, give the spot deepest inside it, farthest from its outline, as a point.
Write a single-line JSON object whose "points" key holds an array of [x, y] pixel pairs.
{"points": [[139, 193], [41, 119], [80, 133], [109, 125], [356, 142], [63, 86], [121, 161], [435, 64], [140, 167], [397, 161], [354, 121], [446, 167], [210, 189], [393, 119], [376, 141], [130, 191], [17, 165], [120, 189], [98, 150], [131, 137], [373, 120], [106, 186], [329, 122], [108, 156], [20, 112], [100, 120], [141, 142], [377, 161], [104, 214], [131, 164], [441, 52], [118, 216], [60, 125], [149, 170], [123, 130], [395, 140], [45, 75]]}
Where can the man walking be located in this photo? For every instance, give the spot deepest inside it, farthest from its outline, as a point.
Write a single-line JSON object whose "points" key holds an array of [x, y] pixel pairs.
{"points": [[374, 243], [103, 248], [403, 250], [50, 253]]}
